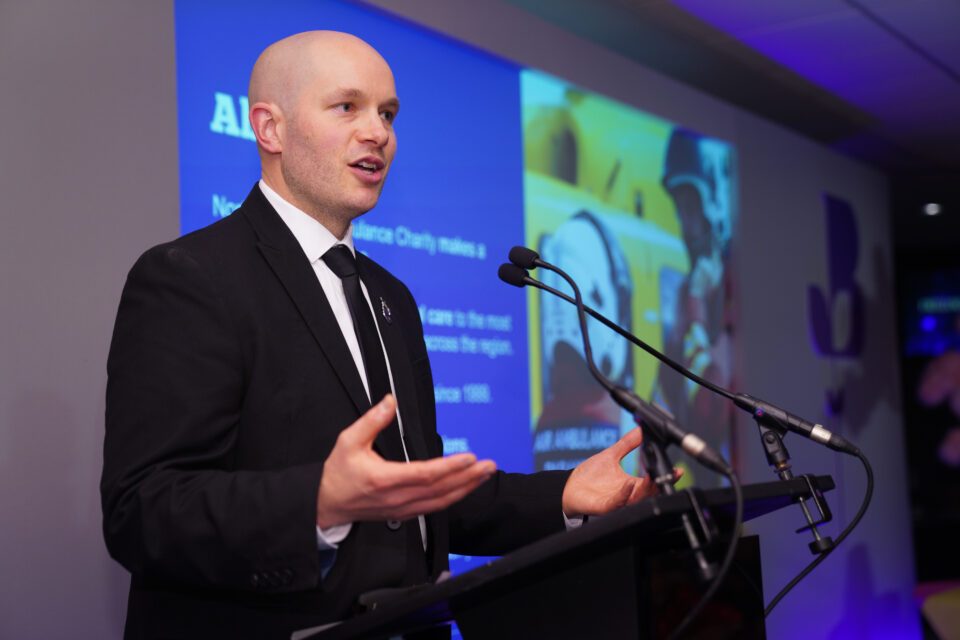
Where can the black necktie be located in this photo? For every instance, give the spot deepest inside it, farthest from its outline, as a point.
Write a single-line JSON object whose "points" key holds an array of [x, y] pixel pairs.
{"points": [[342, 263]]}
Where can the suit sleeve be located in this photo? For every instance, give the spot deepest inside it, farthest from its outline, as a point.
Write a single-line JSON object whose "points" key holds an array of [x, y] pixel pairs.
{"points": [[507, 512], [174, 504]]}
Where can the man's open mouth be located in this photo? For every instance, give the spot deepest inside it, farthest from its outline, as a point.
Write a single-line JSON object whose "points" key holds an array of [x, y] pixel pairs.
{"points": [[369, 165]]}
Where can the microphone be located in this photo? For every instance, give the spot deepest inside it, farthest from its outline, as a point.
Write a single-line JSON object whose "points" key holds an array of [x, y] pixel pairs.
{"points": [[661, 420], [762, 411], [773, 416], [526, 258], [512, 274]]}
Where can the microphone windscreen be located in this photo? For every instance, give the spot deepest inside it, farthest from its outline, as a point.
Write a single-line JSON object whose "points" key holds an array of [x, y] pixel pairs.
{"points": [[523, 257], [512, 274]]}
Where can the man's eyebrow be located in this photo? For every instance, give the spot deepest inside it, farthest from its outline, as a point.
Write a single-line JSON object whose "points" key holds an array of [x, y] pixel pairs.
{"points": [[345, 93], [392, 103]]}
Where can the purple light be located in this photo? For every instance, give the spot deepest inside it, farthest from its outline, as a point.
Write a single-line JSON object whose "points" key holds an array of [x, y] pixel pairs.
{"points": [[928, 323]]}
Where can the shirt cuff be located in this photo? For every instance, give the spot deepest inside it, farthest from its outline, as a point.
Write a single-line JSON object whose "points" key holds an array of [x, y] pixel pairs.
{"points": [[330, 537], [571, 523]]}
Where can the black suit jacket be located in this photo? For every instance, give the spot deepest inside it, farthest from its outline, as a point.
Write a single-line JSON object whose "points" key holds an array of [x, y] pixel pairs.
{"points": [[228, 382]]}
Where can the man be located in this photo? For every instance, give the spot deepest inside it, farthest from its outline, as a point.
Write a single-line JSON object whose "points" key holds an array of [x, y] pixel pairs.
{"points": [[248, 485]]}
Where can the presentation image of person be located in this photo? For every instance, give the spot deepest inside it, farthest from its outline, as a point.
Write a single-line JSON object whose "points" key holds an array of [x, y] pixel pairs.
{"points": [[699, 333], [271, 450]]}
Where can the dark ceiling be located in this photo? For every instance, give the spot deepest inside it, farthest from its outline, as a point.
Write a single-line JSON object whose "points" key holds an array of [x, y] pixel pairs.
{"points": [[876, 79]]}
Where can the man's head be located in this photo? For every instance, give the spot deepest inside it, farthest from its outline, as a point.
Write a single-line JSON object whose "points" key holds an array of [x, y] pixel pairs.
{"points": [[322, 105]]}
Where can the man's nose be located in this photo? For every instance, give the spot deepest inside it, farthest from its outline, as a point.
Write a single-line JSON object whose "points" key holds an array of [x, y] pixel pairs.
{"points": [[373, 129]]}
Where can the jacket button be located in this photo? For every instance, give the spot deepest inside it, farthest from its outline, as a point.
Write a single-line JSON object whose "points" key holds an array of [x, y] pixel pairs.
{"points": [[393, 525]]}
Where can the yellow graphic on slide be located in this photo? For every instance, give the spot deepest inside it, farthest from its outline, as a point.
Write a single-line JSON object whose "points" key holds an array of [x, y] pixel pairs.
{"points": [[640, 213]]}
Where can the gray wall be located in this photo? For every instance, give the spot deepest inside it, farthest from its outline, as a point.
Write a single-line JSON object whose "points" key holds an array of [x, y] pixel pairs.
{"points": [[89, 177], [89, 171]]}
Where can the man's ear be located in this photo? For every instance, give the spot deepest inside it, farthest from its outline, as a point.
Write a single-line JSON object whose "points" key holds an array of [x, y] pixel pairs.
{"points": [[266, 124]]}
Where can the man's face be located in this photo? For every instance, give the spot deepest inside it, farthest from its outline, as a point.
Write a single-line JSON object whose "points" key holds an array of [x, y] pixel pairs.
{"points": [[338, 140]]}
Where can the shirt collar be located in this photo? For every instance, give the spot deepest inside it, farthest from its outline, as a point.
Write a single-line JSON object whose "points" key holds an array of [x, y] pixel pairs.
{"points": [[314, 238]]}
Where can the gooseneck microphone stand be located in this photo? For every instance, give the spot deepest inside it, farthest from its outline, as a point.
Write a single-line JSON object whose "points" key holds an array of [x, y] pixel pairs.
{"points": [[659, 431], [771, 436], [772, 421]]}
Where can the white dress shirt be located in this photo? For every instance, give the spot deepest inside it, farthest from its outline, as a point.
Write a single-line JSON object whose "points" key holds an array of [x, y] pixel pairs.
{"points": [[315, 240]]}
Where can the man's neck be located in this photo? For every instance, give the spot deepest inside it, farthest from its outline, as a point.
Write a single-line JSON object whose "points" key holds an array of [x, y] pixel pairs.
{"points": [[334, 225], [300, 221]]}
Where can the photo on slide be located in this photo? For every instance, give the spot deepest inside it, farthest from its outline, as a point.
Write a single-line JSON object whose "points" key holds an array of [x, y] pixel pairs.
{"points": [[641, 213]]}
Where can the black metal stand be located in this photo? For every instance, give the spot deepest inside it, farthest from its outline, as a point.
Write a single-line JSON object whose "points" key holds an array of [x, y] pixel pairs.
{"points": [[771, 435], [658, 465]]}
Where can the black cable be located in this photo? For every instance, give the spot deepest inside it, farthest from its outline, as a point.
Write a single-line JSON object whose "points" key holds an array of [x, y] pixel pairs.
{"points": [[582, 317], [724, 566], [816, 562]]}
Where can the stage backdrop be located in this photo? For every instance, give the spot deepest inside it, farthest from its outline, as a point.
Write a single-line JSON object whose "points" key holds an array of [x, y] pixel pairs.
{"points": [[661, 218]]}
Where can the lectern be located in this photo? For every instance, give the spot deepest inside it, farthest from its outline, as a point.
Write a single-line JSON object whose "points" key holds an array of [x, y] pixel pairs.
{"points": [[625, 576]]}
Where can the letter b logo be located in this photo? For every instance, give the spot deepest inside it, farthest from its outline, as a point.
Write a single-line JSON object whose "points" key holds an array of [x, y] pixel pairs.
{"points": [[835, 318]]}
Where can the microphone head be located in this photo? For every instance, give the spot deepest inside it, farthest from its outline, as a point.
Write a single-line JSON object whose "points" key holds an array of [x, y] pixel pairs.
{"points": [[512, 274], [524, 258]]}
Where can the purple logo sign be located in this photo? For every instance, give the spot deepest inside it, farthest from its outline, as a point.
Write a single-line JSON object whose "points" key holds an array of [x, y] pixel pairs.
{"points": [[836, 316]]}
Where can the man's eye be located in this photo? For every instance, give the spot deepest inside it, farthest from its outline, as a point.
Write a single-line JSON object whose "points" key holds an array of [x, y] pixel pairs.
{"points": [[346, 107], [388, 115]]}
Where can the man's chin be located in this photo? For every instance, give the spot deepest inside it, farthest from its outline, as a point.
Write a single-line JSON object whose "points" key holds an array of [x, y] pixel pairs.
{"points": [[365, 203], [357, 209]]}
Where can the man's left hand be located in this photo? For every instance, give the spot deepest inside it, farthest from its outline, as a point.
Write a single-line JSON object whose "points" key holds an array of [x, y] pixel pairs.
{"points": [[599, 485]]}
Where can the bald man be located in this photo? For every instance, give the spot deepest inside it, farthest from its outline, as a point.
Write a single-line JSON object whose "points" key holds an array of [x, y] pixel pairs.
{"points": [[257, 478]]}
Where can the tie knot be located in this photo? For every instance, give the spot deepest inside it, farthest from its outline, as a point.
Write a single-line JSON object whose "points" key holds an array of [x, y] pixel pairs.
{"points": [[341, 261]]}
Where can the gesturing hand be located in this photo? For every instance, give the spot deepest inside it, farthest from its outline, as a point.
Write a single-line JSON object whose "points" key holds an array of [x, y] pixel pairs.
{"points": [[599, 485], [357, 484]]}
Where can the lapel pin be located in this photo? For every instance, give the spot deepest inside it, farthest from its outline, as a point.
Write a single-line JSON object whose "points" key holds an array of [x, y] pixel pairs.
{"points": [[385, 310]]}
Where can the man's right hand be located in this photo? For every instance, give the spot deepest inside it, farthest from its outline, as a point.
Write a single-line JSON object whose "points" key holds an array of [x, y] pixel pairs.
{"points": [[357, 484]]}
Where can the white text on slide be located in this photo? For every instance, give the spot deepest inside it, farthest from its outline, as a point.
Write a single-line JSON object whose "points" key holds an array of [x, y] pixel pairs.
{"points": [[464, 319], [490, 347], [403, 236], [230, 120]]}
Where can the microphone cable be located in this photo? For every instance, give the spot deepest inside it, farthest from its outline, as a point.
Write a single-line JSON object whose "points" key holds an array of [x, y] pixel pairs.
{"points": [[840, 538]]}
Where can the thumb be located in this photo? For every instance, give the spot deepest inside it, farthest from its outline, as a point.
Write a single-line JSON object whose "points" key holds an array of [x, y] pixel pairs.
{"points": [[630, 441], [365, 429]]}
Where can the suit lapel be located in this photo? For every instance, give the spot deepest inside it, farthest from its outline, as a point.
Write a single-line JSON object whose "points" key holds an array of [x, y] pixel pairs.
{"points": [[285, 256], [400, 365]]}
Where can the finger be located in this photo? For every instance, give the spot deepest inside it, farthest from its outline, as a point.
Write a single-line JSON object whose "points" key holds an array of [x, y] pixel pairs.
{"points": [[466, 479], [644, 488], [406, 502], [426, 473], [365, 429], [630, 441]]}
